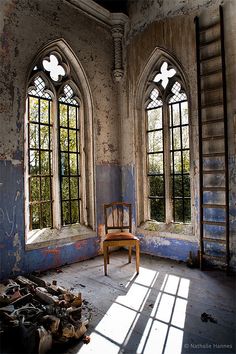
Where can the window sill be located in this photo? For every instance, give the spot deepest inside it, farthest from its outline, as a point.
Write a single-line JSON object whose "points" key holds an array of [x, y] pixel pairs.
{"points": [[49, 237], [177, 231]]}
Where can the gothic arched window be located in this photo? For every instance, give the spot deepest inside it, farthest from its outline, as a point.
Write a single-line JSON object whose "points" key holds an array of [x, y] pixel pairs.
{"points": [[55, 166], [167, 141]]}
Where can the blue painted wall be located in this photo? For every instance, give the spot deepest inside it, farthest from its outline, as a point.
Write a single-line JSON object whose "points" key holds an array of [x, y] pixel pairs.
{"points": [[112, 183], [167, 247], [14, 259], [108, 187]]}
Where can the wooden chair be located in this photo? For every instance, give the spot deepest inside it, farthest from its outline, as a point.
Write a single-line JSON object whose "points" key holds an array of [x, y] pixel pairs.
{"points": [[118, 229]]}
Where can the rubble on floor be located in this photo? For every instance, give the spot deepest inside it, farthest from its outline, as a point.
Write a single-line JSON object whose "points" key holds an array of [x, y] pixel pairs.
{"points": [[35, 314]]}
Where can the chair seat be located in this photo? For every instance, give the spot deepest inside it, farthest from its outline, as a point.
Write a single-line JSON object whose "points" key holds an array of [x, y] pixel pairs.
{"points": [[117, 236], [118, 231]]}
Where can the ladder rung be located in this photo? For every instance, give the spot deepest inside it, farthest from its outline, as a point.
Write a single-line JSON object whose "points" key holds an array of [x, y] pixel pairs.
{"points": [[215, 154], [216, 258], [213, 189], [216, 137], [212, 57], [216, 223], [205, 43], [211, 89], [213, 72], [212, 104], [213, 172], [206, 28], [214, 206], [213, 240], [212, 121]]}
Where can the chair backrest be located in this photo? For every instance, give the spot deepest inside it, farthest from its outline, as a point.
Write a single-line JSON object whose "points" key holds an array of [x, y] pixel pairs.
{"points": [[118, 216]]}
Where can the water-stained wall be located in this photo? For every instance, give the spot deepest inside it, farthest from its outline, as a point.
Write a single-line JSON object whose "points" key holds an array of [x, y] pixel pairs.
{"points": [[26, 27], [169, 26]]}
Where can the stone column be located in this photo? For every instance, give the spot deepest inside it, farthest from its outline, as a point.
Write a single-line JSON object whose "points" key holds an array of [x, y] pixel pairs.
{"points": [[117, 34]]}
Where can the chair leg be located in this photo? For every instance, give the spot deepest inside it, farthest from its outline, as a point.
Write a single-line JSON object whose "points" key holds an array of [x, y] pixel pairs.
{"points": [[105, 259], [137, 257], [130, 251], [108, 256]]}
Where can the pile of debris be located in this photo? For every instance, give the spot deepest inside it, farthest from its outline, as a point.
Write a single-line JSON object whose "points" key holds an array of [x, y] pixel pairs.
{"points": [[35, 314]]}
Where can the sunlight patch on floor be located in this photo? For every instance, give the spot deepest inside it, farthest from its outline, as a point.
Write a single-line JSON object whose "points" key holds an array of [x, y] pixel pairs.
{"points": [[163, 333]]}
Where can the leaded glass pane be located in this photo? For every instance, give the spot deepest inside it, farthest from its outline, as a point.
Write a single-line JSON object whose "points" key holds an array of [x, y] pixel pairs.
{"points": [[64, 139], [155, 163], [63, 115], [35, 216], [177, 94], [185, 137], [66, 213], [155, 101], [45, 162], [34, 162], [46, 215], [65, 188], [73, 116], [73, 164], [156, 186], [157, 211], [74, 212], [155, 142], [44, 114], [64, 164], [39, 89], [155, 119], [33, 109], [44, 136], [34, 189], [45, 188], [34, 136], [68, 96], [74, 187], [184, 112]]}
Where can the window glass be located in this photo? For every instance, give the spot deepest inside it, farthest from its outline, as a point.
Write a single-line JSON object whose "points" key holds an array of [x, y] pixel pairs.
{"points": [[168, 162]]}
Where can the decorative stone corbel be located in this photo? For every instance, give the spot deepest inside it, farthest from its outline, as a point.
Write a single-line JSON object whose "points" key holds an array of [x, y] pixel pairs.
{"points": [[117, 34], [119, 26]]}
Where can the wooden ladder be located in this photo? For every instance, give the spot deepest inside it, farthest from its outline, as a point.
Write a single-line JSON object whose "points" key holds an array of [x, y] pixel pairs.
{"points": [[213, 149]]}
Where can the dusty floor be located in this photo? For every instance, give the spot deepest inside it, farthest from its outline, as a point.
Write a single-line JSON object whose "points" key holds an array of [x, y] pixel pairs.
{"points": [[157, 312]]}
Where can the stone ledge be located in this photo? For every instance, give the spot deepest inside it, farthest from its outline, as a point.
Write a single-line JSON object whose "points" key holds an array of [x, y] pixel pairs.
{"points": [[176, 231], [49, 237]]}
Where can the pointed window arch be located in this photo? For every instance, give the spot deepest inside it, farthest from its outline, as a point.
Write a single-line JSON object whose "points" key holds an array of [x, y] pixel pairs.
{"points": [[167, 142], [55, 185]]}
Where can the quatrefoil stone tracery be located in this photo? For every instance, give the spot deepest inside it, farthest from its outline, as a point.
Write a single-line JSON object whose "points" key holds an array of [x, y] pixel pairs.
{"points": [[164, 75], [55, 69]]}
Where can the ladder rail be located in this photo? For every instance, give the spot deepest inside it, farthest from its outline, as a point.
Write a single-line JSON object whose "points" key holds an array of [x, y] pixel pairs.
{"points": [[226, 133], [197, 33], [224, 137]]}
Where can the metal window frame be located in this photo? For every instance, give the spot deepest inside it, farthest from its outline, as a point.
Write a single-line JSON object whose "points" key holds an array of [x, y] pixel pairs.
{"points": [[181, 150], [169, 175], [68, 152], [40, 176]]}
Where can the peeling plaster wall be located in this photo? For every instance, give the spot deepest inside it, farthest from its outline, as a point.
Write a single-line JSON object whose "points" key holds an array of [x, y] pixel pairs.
{"points": [[144, 12], [176, 35], [162, 24], [25, 27]]}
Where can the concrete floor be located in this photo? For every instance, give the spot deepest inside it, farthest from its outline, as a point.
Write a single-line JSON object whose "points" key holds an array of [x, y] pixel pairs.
{"points": [[157, 312]]}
